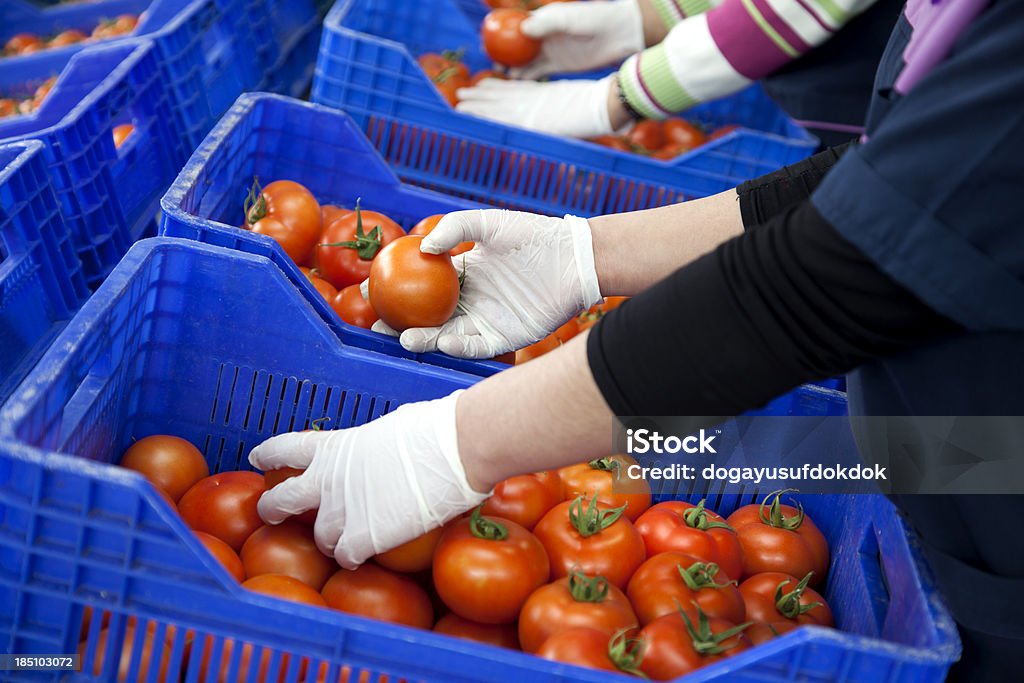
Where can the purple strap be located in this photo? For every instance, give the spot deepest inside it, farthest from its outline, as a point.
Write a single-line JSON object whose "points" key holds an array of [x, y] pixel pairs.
{"points": [[937, 25]]}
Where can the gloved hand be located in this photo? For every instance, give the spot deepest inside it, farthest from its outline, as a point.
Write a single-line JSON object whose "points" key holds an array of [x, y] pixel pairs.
{"points": [[526, 275], [377, 485], [577, 109], [579, 36]]}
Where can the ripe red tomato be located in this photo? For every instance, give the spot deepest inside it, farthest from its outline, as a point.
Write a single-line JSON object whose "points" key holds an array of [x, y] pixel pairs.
{"points": [[287, 212], [668, 580], [411, 289], [548, 343], [683, 133], [503, 40], [723, 131], [772, 597], [646, 135], [485, 74], [612, 142], [272, 478], [670, 151], [692, 529], [425, 226], [447, 72], [486, 567], [121, 133], [118, 26], [152, 655], [224, 505], [499, 635], [414, 556], [594, 539], [286, 588], [606, 478], [577, 600], [287, 549], [330, 213], [780, 538], [594, 649], [523, 499], [686, 640], [171, 464], [64, 38], [351, 307], [224, 554], [17, 44], [350, 243], [761, 632], [8, 107], [377, 593], [324, 288]]}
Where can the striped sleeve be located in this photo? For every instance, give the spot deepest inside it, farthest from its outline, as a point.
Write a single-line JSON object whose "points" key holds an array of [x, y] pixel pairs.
{"points": [[674, 11], [718, 52]]}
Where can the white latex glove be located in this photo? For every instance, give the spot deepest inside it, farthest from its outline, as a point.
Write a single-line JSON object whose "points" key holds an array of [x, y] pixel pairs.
{"points": [[577, 109], [580, 36], [526, 275], [377, 485]]}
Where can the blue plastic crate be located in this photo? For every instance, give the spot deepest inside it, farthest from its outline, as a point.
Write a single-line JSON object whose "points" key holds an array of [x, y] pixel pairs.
{"points": [[292, 72], [108, 196], [367, 66], [41, 281], [77, 532]]}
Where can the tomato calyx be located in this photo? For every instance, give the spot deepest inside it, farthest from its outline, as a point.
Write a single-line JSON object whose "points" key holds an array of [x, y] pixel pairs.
{"points": [[585, 588], [592, 520], [627, 653], [697, 518], [789, 604], [366, 245], [775, 518], [255, 206], [704, 640], [607, 463], [701, 575], [317, 425], [485, 528]]}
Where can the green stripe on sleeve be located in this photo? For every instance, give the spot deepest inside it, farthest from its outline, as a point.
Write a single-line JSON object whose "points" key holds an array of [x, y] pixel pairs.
{"points": [[759, 19], [661, 83]]}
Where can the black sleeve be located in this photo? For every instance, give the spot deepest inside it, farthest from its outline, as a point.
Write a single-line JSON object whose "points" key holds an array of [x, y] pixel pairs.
{"points": [[775, 307], [768, 196]]}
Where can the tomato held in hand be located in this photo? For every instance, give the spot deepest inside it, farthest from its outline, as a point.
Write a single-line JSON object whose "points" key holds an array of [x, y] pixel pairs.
{"points": [[224, 505], [425, 226], [414, 556], [499, 635], [607, 479], [224, 554], [686, 640], [289, 549], [350, 243], [780, 538], [683, 133], [411, 289], [377, 593], [772, 597], [486, 567], [668, 580], [289, 214], [692, 529], [593, 539], [647, 136], [171, 464], [594, 649], [577, 600], [523, 499], [351, 307], [504, 41]]}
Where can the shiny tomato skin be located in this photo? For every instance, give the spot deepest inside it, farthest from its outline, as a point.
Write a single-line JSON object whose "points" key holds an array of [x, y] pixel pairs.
{"points": [[552, 608], [411, 289], [528, 353], [670, 151], [612, 142], [758, 593], [272, 478], [351, 307], [65, 38], [17, 44], [330, 213], [414, 556], [669, 651], [378, 593], [683, 133], [657, 588], [119, 26], [647, 135], [425, 226], [224, 505], [286, 588], [293, 219], [586, 480], [484, 580], [582, 646], [324, 288], [288, 549], [224, 554], [342, 266], [170, 463], [664, 529], [762, 632], [614, 552], [770, 549], [503, 40], [523, 499], [499, 635]]}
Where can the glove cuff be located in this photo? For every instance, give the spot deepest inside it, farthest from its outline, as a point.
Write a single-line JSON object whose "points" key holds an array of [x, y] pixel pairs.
{"points": [[586, 268], [448, 444], [631, 30]]}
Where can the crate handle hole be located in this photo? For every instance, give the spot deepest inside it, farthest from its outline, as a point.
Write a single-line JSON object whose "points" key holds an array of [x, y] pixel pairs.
{"points": [[873, 571]]}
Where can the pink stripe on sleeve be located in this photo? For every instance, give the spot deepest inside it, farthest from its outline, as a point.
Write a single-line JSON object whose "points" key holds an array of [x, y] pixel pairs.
{"points": [[742, 42], [782, 26]]}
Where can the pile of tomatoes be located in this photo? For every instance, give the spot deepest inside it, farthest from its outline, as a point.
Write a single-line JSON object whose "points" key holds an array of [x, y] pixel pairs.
{"points": [[448, 73], [576, 325], [661, 139], [28, 43], [573, 565]]}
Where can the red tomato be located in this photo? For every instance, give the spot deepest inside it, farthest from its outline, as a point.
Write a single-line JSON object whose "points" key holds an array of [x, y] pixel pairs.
{"points": [[324, 288], [686, 640], [287, 549], [486, 567], [224, 554], [64, 38], [8, 107], [118, 26], [593, 539], [330, 213], [147, 659], [351, 307], [683, 133], [224, 505], [594, 649], [121, 133], [286, 588], [613, 142], [691, 529], [504, 42], [670, 151], [499, 635], [171, 464], [575, 601], [780, 538], [761, 632], [548, 343], [668, 580], [523, 499], [347, 249], [772, 597], [447, 73], [485, 74], [606, 478], [287, 212], [646, 135], [425, 226], [411, 289], [414, 556], [17, 44], [272, 478], [377, 593]]}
